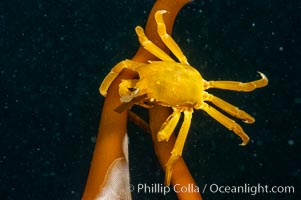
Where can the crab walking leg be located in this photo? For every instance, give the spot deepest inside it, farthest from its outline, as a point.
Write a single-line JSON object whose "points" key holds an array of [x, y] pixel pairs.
{"points": [[227, 122], [179, 145], [238, 86], [115, 72], [168, 126], [150, 46], [167, 39], [229, 108]]}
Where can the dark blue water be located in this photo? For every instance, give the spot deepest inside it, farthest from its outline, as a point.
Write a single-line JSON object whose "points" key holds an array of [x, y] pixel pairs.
{"points": [[54, 55]]}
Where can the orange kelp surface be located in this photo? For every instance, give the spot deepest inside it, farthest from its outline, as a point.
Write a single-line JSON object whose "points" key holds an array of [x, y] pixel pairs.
{"points": [[113, 125]]}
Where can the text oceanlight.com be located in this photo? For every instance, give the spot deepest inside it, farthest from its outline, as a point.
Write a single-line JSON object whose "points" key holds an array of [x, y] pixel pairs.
{"points": [[212, 188], [249, 189]]}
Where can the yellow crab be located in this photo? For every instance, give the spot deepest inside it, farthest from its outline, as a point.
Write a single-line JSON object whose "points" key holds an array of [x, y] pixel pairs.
{"points": [[179, 86]]}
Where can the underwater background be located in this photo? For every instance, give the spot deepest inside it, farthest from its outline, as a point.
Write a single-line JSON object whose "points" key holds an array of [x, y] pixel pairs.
{"points": [[54, 55]]}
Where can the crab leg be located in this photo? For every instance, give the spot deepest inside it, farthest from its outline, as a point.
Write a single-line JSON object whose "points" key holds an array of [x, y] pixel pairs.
{"points": [[238, 86], [227, 122], [229, 108], [150, 46], [179, 145], [167, 39], [168, 126], [129, 64]]}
